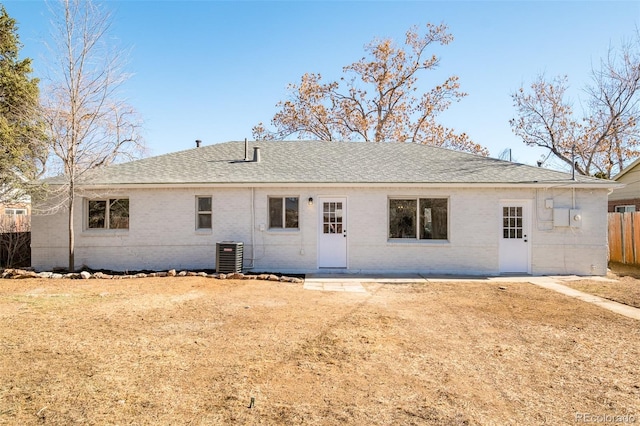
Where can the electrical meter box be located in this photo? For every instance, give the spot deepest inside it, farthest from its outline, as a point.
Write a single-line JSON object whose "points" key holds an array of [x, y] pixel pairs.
{"points": [[560, 217], [575, 218]]}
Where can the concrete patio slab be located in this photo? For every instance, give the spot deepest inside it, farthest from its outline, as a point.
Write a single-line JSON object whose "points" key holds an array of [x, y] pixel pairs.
{"points": [[324, 284]]}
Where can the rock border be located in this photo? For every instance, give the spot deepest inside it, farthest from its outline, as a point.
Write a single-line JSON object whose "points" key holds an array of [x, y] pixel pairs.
{"points": [[86, 275]]}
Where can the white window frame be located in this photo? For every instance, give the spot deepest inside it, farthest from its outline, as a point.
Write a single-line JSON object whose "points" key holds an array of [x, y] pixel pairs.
{"points": [[107, 218], [625, 208], [417, 225], [203, 212], [15, 212], [284, 226]]}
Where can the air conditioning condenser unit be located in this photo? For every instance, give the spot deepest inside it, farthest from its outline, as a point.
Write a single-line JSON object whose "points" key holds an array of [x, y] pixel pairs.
{"points": [[229, 257]]}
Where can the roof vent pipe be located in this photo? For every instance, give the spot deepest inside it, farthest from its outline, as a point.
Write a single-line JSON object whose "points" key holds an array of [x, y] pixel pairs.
{"points": [[256, 154], [198, 142], [573, 162], [246, 150]]}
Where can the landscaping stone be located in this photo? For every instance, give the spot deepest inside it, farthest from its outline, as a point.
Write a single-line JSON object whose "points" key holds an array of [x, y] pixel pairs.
{"points": [[102, 276], [235, 276], [25, 273]]}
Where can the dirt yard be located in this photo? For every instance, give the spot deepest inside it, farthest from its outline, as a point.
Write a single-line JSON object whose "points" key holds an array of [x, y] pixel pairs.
{"points": [[624, 286], [199, 351]]}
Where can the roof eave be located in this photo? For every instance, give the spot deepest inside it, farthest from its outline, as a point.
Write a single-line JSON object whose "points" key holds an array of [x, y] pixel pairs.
{"points": [[535, 184], [626, 169]]}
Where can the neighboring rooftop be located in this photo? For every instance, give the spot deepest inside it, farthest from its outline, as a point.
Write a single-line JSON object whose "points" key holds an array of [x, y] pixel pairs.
{"points": [[284, 162]]}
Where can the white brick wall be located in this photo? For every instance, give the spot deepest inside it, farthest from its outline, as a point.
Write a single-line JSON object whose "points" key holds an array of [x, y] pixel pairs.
{"points": [[162, 232]]}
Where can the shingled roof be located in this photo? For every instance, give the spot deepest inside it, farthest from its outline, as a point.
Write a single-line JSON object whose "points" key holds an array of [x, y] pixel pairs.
{"points": [[314, 162]]}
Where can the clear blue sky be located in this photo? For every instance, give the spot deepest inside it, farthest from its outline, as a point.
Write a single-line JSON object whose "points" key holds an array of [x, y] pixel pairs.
{"points": [[211, 70]]}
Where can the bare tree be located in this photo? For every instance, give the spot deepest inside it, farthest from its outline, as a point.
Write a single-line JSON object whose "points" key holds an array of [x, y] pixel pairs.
{"points": [[606, 138], [15, 240], [89, 123], [377, 100]]}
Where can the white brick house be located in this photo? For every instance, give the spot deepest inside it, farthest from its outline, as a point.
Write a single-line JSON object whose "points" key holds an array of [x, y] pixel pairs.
{"points": [[333, 206]]}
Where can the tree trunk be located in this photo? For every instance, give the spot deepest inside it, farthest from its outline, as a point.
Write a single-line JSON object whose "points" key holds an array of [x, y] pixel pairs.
{"points": [[71, 233]]}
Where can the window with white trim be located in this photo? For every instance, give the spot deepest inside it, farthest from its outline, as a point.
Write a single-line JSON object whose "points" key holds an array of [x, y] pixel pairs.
{"points": [[15, 212], [419, 218], [111, 213], [204, 219], [283, 212], [625, 209]]}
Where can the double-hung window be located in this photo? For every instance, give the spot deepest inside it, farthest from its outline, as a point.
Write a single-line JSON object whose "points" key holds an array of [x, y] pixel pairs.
{"points": [[111, 213], [204, 219], [419, 218], [283, 212]]}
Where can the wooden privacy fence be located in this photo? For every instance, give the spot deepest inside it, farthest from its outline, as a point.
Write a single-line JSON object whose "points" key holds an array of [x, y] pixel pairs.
{"points": [[624, 237]]}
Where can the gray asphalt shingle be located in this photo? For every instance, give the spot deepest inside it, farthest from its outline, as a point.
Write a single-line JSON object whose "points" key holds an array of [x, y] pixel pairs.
{"points": [[285, 162]]}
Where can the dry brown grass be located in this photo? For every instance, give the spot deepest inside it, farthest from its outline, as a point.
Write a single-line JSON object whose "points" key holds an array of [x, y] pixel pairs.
{"points": [[623, 287], [196, 350]]}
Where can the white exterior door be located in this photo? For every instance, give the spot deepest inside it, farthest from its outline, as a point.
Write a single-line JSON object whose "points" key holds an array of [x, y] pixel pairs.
{"points": [[515, 241], [332, 233]]}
